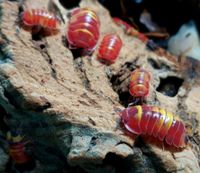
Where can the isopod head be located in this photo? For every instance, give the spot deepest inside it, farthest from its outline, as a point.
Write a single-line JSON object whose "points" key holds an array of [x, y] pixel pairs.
{"points": [[130, 118], [14, 137]]}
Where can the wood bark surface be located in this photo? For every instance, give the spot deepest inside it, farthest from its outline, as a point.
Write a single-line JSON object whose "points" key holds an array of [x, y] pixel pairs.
{"points": [[67, 106]]}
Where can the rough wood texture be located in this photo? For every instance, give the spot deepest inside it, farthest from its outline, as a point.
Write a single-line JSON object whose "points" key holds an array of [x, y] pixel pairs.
{"points": [[67, 106]]}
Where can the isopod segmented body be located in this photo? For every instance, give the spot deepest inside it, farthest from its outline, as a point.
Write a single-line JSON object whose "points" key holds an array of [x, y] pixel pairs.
{"points": [[83, 29], [109, 48], [17, 152], [155, 121], [139, 83], [41, 18]]}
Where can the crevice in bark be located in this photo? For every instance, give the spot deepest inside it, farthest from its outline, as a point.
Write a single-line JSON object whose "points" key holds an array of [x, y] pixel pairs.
{"points": [[12, 99], [93, 141], [125, 98], [154, 160], [3, 126], [37, 37], [15, 99], [136, 163], [44, 107], [124, 143], [116, 163], [120, 83], [5, 51], [41, 45], [158, 65], [169, 86], [77, 53], [79, 65], [150, 157]]}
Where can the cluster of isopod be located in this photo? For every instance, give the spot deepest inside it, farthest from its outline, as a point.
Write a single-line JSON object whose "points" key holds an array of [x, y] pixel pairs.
{"points": [[83, 32], [146, 119], [151, 120]]}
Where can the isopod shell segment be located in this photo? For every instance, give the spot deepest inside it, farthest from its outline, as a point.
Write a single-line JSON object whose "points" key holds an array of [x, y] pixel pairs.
{"points": [[109, 48], [155, 121], [83, 29], [40, 17], [139, 83]]}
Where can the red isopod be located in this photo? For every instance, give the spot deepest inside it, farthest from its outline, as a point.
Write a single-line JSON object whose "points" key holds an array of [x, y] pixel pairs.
{"points": [[17, 149], [83, 29], [139, 83], [40, 18], [109, 48], [156, 122]]}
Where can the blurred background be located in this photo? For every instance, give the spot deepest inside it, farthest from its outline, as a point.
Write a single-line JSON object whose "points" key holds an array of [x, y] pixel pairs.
{"points": [[172, 24]]}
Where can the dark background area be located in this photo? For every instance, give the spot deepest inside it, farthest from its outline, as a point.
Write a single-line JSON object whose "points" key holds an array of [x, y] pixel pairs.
{"points": [[170, 14]]}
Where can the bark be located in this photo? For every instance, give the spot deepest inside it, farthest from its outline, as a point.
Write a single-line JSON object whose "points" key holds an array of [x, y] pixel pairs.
{"points": [[67, 106]]}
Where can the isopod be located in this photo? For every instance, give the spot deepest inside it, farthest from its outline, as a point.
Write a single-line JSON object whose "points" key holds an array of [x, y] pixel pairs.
{"points": [[83, 29], [109, 48], [40, 18], [17, 152], [139, 83], [155, 121]]}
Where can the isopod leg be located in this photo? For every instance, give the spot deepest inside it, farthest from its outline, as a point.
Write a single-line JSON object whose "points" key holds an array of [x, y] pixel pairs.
{"points": [[131, 118], [135, 101]]}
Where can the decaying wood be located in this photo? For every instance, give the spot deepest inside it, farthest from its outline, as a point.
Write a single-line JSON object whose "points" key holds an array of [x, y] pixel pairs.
{"points": [[67, 106]]}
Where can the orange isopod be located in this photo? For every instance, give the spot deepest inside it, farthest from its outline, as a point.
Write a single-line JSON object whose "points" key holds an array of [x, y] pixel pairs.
{"points": [[41, 18], [109, 48], [139, 83], [83, 29], [21, 159]]}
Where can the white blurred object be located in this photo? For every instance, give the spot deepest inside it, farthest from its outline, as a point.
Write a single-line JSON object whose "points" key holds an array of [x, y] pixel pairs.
{"points": [[186, 42]]}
